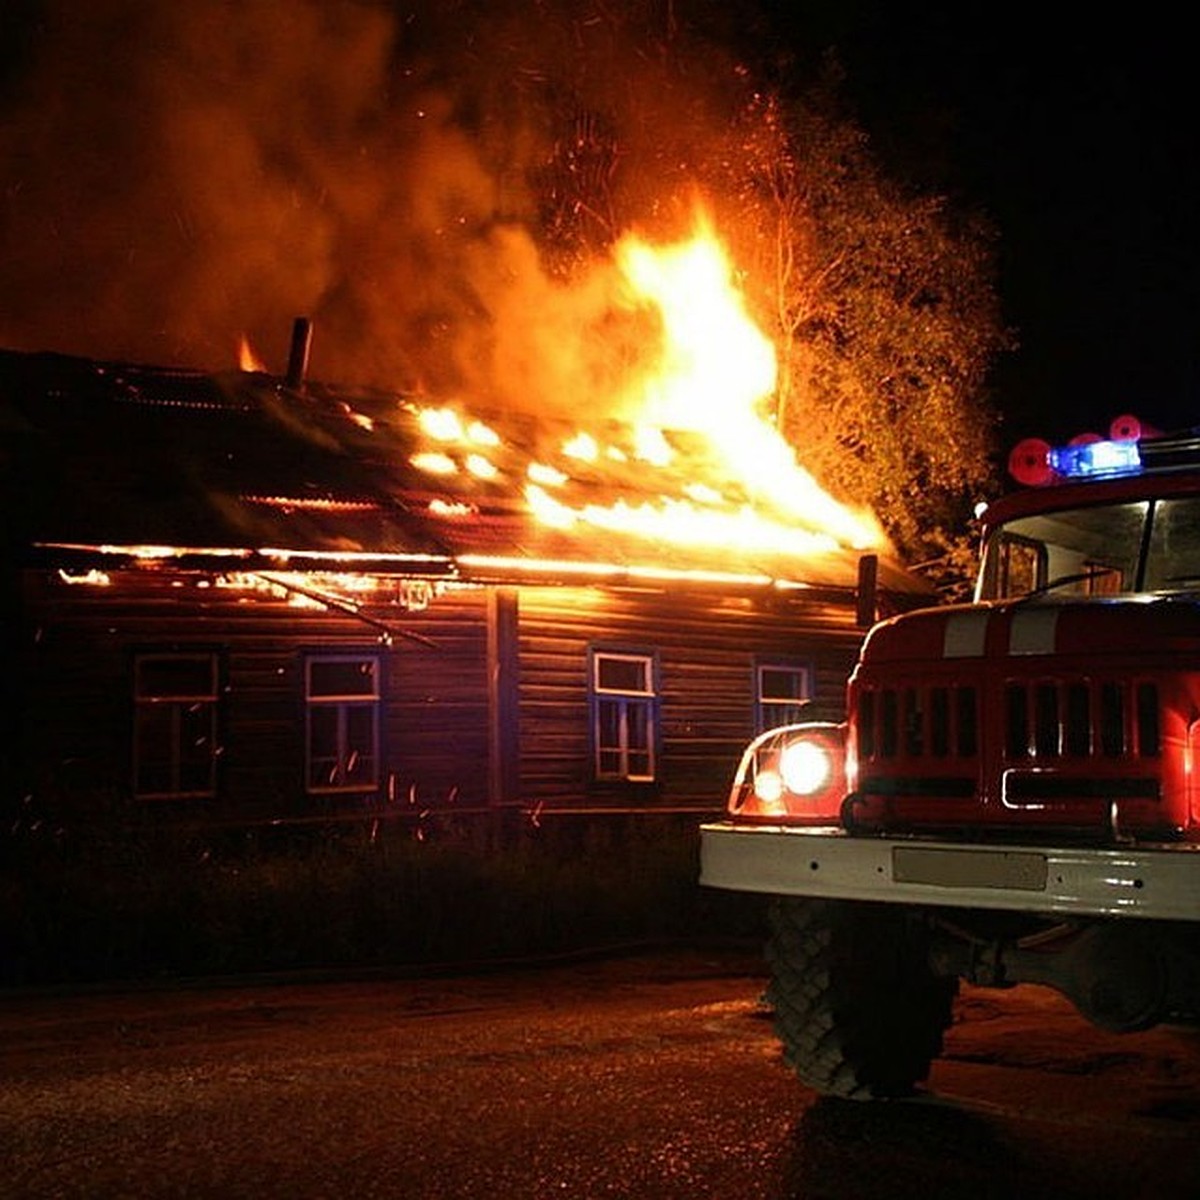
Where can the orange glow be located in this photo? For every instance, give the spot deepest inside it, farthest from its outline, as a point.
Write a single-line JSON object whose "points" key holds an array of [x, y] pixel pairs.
{"points": [[441, 423], [450, 508], [481, 467], [153, 554], [313, 503], [360, 419], [550, 568], [582, 446], [445, 425], [546, 476], [434, 463], [91, 578], [715, 373], [684, 524], [715, 363], [710, 469], [248, 360]]}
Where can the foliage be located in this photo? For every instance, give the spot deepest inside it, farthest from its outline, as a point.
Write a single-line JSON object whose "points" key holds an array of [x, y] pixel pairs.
{"points": [[885, 315], [154, 902], [880, 297]]}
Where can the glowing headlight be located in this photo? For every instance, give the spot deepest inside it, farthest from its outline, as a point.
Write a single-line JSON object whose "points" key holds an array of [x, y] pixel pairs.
{"points": [[794, 774], [768, 787], [805, 767]]}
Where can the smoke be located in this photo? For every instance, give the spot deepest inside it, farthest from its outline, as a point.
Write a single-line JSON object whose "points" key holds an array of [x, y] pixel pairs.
{"points": [[435, 184]]}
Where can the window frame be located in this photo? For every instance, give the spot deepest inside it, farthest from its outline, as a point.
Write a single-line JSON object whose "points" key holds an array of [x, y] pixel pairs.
{"points": [[797, 667], [177, 705], [344, 704], [646, 701]]}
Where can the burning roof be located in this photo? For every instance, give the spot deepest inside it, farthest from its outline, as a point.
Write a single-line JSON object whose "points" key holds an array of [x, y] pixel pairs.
{"points": [[108, 463]]}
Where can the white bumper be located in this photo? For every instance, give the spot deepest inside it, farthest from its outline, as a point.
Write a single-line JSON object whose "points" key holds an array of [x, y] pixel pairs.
{"points": [[1161, 882]]}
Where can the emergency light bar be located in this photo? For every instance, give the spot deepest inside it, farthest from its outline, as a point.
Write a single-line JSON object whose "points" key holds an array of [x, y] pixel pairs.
{"points": [[1034, 462], [1096, 458]]}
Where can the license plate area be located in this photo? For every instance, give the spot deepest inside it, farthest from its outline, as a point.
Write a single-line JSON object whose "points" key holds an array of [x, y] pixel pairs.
{"points": [[1015, 870]]}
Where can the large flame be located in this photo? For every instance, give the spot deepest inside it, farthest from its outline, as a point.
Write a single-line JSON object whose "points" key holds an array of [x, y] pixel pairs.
{"points": [[716, 372], [710, 372]]}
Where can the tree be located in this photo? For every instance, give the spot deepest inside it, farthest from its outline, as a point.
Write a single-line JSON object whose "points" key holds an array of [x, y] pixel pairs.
{"points": [[885, 315], [880, 297]]}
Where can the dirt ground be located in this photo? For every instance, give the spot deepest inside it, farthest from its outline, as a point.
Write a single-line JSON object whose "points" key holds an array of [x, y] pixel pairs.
{"points": [[648, 1077]]}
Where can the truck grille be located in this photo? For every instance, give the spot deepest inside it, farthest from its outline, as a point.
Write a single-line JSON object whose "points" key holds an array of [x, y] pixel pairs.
{"points": [[1081, 719], [1043, 720], [915, 721]]}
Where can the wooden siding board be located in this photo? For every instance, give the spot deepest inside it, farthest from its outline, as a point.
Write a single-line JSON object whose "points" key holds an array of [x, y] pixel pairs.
{"points": [[707, 648], [439, 742]]}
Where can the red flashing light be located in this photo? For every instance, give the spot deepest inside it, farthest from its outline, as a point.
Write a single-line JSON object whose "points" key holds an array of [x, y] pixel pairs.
{"points": [[1128, 428], [1029, 463], [1035, 463]]}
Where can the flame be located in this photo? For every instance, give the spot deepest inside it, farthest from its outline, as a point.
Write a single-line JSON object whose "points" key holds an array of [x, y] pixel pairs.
{"points": [[715, 372], [582, 446], [715, 364], [248, 359], [733, 481]]}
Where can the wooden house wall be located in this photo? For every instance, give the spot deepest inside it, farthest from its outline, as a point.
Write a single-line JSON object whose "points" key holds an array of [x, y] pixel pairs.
{"points": [[447, 716], [78, 649], [707, 645]]}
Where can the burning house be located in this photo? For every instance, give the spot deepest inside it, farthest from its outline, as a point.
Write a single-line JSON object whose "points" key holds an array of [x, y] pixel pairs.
{"points": [[251, 597], [239, 597]]}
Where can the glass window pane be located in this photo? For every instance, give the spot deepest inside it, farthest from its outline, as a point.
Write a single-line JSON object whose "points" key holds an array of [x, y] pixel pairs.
{"points": [[359, 761], [343, 723], [175, 723], [622, 674], [154, 741], [608, 720], [783, 683], [1081, 551], [342, 677], [623, 714], [609, 763], [175, 676], [638, 726], [1174, 556], [639, 765]]}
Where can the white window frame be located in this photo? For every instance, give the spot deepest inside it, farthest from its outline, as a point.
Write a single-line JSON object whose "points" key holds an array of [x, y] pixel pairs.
{"points": [[772, 711], [341, 771], [630, 707], [188, 714]]}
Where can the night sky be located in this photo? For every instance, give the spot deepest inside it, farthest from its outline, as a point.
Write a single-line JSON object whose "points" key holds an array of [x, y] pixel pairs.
{"points": [[1076, 134]]}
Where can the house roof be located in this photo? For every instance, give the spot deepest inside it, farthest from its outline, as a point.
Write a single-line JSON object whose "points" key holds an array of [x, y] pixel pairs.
{"points": [[105, 461]]}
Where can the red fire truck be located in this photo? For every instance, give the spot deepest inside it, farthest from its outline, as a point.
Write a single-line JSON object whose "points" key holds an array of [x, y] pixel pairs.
{"points": [[1011, 798]]}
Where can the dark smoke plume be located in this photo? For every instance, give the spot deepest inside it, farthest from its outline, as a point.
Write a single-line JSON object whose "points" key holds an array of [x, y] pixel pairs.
{"points": [[435, 184]]}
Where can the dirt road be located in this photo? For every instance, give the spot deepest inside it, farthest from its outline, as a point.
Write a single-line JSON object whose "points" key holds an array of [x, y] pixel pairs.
{"points": [[648, 1077]]}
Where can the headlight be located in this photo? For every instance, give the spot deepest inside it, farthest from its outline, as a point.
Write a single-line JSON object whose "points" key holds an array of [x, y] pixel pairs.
{"points": [[805, 766], [795, 773]]}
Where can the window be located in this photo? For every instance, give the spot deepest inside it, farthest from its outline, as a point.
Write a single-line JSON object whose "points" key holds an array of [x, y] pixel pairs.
{"points": [[342, 701], [624, 707], [175, 725], [1079, 551], [782, 691]]}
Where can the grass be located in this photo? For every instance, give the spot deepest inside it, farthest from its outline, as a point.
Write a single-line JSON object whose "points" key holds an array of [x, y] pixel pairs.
{"points": [[160, 902]]}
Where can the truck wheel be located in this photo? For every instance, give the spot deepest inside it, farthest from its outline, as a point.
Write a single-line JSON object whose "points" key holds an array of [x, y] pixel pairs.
{"points": [[857, 1007]]}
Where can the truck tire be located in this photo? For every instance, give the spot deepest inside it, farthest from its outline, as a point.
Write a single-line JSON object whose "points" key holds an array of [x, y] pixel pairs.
{"points": [[856, 1005]]}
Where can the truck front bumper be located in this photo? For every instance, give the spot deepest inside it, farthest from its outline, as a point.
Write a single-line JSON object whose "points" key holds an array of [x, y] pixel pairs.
{"points": [[1150, 881]]}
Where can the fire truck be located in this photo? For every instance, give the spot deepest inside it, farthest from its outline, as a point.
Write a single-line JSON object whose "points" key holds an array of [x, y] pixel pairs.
{"points": [[1012, 796]]}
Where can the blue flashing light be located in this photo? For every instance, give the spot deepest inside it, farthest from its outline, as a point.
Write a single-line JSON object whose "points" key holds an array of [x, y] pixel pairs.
{"points": [[1090, 459]]}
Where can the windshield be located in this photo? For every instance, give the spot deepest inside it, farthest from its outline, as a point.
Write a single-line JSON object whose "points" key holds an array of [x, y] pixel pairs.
{"points": [[1100, 550]]}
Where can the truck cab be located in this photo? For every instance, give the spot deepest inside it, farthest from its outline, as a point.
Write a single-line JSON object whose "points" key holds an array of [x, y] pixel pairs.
{"points": [[1011, 797]]}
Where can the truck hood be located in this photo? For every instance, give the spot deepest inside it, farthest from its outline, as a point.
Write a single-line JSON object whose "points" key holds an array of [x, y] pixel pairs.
{"points": [[1098, 627]]}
